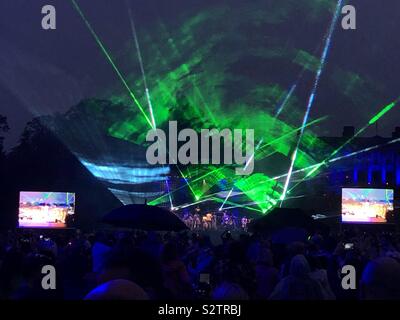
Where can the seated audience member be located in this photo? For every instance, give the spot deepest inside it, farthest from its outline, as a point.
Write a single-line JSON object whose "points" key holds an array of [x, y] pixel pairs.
{"points": [[100, 250], [319, 274], [229, 291], [298, 285], [267, 275], [381, 280], [119, 289], [292, 249], [30, 283], [176, 276], [129, 263]]}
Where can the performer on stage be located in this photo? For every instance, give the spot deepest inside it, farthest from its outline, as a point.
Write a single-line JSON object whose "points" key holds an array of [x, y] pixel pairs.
{"points": [[196, 221], [207, 221], [214, 221], [245, 222]]}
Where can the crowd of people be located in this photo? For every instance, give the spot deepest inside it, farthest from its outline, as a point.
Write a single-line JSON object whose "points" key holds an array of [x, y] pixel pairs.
{"points": [[224, 220], [188, 265]]}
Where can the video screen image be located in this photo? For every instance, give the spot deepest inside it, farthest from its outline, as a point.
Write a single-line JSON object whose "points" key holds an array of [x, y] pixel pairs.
{"points": [[45, 209], [366, 205]]}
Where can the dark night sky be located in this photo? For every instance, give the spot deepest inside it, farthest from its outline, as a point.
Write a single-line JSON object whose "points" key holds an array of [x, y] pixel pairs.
{"points": [[49, 71]]}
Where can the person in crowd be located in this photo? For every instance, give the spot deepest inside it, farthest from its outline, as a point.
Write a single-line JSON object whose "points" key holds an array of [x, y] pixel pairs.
{"points": [[267, 275], [381, 280], [320, 275], [229, 291], [198, 265], [298, 285], [176, 276], [100, 250], [119, 289]]}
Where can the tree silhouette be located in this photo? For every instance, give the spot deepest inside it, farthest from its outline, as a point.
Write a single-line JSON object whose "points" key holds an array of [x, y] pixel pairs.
{"points": [[3, 129], [41, 162]]}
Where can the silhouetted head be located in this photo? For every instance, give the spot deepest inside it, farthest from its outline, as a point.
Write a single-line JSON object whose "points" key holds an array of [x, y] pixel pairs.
{"points": [[381, 280]]}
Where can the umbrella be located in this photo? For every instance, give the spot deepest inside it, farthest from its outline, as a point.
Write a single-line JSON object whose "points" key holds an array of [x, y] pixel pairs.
{"points": [[281, 218], [144, 217]]}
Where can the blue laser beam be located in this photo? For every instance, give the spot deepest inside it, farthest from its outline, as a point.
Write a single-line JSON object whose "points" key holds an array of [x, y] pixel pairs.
{"points": [[328, 42]]}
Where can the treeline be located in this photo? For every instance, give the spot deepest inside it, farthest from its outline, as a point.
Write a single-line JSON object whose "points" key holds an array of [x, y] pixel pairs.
{"points": [[41, 162]]}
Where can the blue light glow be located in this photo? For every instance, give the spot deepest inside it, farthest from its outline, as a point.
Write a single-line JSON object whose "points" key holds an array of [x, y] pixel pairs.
{"points": [[118, 174], [123, 180]]}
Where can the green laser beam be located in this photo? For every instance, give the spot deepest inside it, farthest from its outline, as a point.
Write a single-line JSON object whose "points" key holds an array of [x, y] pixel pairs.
{"points": [[180, 188], [292, 132], [373, 120], [110, 60], [236, 205], [218, 169], [383, 112]]}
